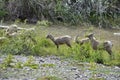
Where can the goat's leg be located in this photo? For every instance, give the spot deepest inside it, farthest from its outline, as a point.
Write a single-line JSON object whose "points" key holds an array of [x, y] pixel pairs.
{"points": [[57, 46], [108, 49], [110, 53], [69, 45]]}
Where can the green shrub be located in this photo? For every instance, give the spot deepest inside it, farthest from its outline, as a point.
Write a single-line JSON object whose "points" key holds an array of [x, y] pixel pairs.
{"points": [[49, 78], [19, 65], [97, 78], [44, 23], [48, 65], [3, 13], [24, 45], [82, 53], [31, 63], [13, 45], [45, 43], [7, 62]]}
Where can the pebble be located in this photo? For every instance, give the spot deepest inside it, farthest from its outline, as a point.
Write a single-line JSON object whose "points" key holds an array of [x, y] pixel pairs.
{"points": [[63, 69]]}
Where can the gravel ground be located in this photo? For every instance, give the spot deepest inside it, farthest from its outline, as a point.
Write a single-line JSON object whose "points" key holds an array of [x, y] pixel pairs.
{"points": [[65, 69]]}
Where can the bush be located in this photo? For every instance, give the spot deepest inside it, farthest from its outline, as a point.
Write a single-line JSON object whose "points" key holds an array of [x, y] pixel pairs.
{"points": [[7, 62], [105, 13], [3, 13], [31, 63], [49, 78], [44, 23]]}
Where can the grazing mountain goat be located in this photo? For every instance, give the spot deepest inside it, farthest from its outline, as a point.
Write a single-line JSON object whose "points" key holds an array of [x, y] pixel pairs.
{"points": [[82, 41], [106, 45], [60, 40]]}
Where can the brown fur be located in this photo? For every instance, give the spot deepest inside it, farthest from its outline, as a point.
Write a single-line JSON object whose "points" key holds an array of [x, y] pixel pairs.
{"points": [[107, 45], [60, 40], [82, 41]]}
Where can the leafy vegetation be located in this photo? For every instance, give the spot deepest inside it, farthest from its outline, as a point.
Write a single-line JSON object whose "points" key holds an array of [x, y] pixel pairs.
{"points": [[96, 79], [10, 61], [31, 63], [7, 62], [49, 78], [103, 13], [22, 44], [48, 65]]}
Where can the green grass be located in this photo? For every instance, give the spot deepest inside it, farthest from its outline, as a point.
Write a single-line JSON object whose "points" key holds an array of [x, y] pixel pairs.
{"points": [[31, 63], [48, 65], [97, 79], [9, 61], [44, 47], [49, 78]]}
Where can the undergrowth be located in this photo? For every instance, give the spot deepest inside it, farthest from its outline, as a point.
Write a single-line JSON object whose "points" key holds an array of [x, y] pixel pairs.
{"points": [[49, 78], [10, 61], [42, 47]]}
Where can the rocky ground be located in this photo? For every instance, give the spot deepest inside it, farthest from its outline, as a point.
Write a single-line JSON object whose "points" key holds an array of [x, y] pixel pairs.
{"points": [[65, 69]]}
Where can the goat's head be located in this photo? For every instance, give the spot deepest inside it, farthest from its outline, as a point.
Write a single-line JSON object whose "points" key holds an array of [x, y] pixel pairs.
{"points": [[91, 35], [108, 43], [49, 36]]}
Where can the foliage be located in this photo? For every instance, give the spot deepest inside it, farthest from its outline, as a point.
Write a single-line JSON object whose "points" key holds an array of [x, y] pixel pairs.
{"points": [[103, 13], [97, 78], [30, 63], [92, 66], [19, 44], [40, 46], [49, 78], [19, 65], [7, 62], [45, 47], [44, 23], [3, 12], [48, 65]]}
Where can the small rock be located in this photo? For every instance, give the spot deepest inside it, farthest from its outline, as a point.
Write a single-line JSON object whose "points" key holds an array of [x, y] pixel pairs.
{"points": [[41, 61], [74, 68]]}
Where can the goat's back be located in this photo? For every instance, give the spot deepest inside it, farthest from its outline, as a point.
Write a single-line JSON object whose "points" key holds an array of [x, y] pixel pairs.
{"points": [[108, 44], [63, 39]]}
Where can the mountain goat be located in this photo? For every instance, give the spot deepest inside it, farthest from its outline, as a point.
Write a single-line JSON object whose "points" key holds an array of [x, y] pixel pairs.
{"points": [[107, 45], [60, 40], [82, 41]]}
